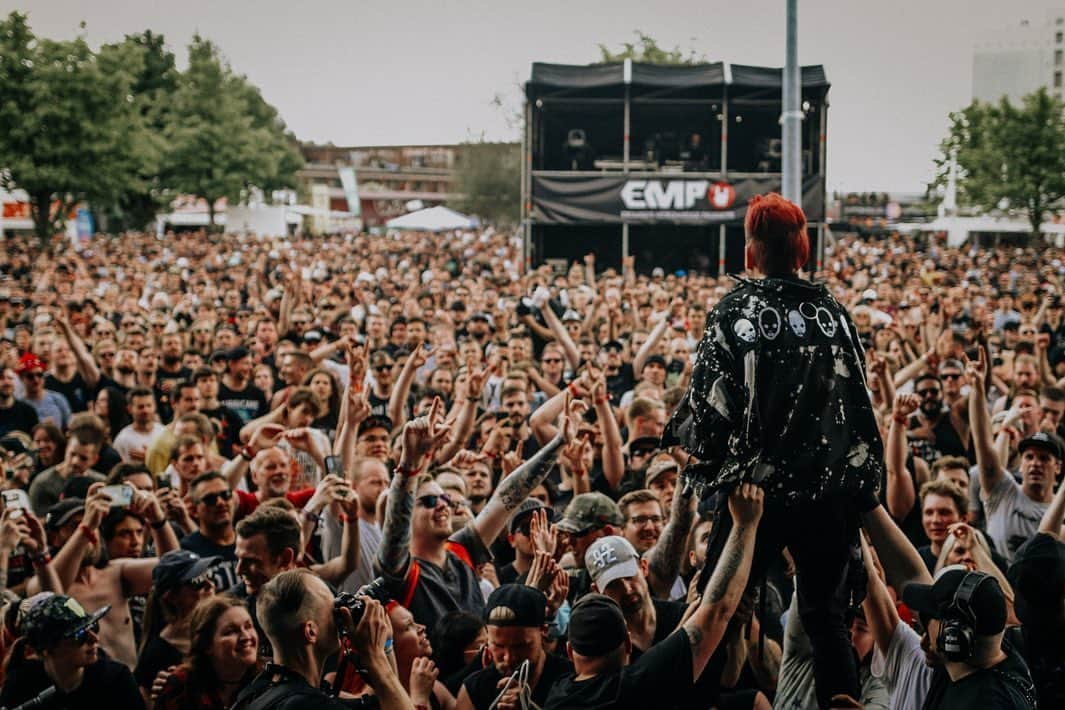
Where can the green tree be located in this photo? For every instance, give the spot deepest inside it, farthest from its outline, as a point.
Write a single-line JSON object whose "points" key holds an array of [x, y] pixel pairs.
{"points": [[646, 50], [1008, 156], [489, 177], [68, 127], [224, 139]]}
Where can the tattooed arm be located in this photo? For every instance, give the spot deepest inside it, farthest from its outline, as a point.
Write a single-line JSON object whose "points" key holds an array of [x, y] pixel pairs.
{"points": [[420, 438], [514, 489], [664, 558], [707, 625]]}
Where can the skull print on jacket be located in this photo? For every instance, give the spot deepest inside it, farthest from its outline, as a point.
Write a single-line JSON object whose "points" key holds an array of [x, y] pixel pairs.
{"points": [[778, 396]]}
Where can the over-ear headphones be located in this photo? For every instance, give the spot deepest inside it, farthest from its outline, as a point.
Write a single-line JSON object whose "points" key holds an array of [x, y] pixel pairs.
{"points": [[956, 634]]}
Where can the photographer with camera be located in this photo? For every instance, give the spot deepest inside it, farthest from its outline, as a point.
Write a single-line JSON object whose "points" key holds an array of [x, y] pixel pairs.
{"points": [[305, 626]]}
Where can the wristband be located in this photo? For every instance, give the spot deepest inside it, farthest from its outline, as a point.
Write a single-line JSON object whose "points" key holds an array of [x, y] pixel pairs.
{"points": [[40, 559], [311, 516], [572, 387], [406, 472], [247, 454], [89, 534], [491, 455], [343, 517], [601, 400], [900, 418], [159, 525]]}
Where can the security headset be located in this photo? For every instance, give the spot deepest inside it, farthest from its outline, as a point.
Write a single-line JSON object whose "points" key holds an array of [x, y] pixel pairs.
{"points": [[956, 633]]}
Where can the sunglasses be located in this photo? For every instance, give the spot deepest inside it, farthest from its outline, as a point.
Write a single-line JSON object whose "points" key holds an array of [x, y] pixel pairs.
{"points": [[82, 635], [552, 360], [212, 498], [383, 368], [32, 375], [950, 375], [432, 500], [927, 393]]}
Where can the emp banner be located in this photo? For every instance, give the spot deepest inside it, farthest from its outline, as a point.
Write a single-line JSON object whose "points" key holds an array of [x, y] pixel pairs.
{"points": [[657, 199]]}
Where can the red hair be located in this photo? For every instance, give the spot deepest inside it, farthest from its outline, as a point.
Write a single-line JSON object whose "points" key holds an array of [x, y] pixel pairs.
{"points": [[776, 233]]}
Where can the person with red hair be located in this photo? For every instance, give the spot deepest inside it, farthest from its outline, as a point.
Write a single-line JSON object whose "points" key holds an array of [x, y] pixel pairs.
{"points": [[778, 398]]}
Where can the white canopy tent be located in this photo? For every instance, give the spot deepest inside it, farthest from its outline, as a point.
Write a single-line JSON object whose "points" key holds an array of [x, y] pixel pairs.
{"points": [[433, 219]]}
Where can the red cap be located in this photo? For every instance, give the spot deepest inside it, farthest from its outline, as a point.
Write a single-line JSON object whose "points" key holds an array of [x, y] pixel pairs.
{"points": [[29, 363]]}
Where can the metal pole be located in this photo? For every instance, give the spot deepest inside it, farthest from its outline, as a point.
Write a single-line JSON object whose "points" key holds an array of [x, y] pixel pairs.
{"points": [[627, 78], [791, 118], [624, 239], [721, 251]]}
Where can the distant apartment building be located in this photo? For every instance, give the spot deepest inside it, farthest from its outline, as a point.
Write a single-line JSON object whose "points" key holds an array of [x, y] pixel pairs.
{"points": [[1014, 61]]}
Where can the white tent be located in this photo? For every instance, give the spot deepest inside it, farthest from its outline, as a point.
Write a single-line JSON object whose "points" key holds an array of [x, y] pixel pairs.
{"points": [[433, 219]]}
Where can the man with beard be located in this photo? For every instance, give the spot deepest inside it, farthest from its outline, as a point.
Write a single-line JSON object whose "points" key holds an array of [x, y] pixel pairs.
{"points": [[213, 504], [514, 401], [380, 393], [936, 430], [515, 623], [73, 373], [133, 441], [227, 423], [294, 367], [478, 475], [369, 478], [434, 569], [271, 472], [587, 518], [618, 572], [171, 371], [113, 583], [83, 451], [479, 327], [237, 392], [15, 415], [1013, 510], [66, 640], [185, 399], [124, 373]]}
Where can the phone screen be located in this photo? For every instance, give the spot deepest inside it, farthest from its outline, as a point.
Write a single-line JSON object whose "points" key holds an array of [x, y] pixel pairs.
{"points": [[334, 466]]}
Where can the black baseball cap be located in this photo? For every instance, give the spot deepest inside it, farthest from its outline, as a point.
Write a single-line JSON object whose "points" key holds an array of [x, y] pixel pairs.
{"points": [[1043, 440], [596, 626], [61, 513], [987, 605], [615, 345], [179, 567], [655, 359], [237, 353], [55, 618], [1037, 576], [515, 605], [644, 445], [524, 510]]}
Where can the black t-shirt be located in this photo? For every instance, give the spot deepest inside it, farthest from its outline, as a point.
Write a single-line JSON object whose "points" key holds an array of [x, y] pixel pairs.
{"points": [[18, 417], [105, 684], [228, 424], [483, 685], [617, 385], [667, 616], [659, 675], [278, 688], [248, 403], [76, 390], [223, 574], [158, 654], [1004, 686]]}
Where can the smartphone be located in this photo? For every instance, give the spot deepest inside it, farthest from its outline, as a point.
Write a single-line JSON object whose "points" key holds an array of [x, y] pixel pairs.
{"points": [[121, 495], [334, 466], [162, 482], [12, 445], [17, 501]]}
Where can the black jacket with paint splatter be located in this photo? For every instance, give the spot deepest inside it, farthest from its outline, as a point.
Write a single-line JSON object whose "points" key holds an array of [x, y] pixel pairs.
{"points": [[778, 396]]}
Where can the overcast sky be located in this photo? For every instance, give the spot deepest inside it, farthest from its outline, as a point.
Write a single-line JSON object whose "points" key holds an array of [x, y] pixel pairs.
{"points": [[426, 71]]}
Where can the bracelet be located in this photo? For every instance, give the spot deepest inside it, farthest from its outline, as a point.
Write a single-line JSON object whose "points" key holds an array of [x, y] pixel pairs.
{"points": [[311, 516], [572, 387], [388, 645], [40, 559], [601, 400], [343, 517], [491, 455], [406, 472], [159, 525], [247, 454], [900, 418], [89, 534]]}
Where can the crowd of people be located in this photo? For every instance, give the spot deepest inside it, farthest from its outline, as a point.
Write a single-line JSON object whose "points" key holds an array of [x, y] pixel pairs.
{"points": [[408, 471]]}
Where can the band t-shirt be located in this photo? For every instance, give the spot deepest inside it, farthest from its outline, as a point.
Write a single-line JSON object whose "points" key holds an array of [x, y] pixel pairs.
{"points": [[223, 574], [1012, 517], [248, 403], [106, 683]]}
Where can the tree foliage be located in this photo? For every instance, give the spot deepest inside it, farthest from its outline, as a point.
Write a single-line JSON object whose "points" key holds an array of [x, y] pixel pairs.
{"points": [[225, 139], [1008, 156], [646, 50], [123, 129], [489, 177], [69, 130]]}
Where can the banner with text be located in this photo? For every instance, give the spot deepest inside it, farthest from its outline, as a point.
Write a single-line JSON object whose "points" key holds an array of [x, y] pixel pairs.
{"points": [[661, 199]]}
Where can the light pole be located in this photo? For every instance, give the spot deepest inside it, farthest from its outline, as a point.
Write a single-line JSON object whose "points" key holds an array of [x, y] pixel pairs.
{"points": [[791, 116]]}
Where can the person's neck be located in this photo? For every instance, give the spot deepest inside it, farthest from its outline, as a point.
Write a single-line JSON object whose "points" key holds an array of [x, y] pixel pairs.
{"points": [[935, 547], [1038, 493], [522, 562], [304, 662], [369, 516], [958, 670], [235, 383], [211, 403], [382, 390], [219, 535], [63, 373], [144, 427], [7, 400], [537, 669], [146, 379], [642, 625], [66, 679], [429, 548]]}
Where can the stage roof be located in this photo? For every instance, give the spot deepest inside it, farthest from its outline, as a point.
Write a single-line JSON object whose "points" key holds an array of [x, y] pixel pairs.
{"points": [[605, 79]]}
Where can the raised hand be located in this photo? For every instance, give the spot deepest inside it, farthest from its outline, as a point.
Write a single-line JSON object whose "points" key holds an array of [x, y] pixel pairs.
{"points": [[423, 675], [358, 407], [544, 537], [571, 417], [267, 436], [424, 434], [906, 404], [745, 504], [976, 371]]}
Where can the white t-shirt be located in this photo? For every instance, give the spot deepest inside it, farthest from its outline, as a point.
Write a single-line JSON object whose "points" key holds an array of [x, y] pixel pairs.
{"points": [[903, 670], [129, 439], [369, 541], [1012, 517]]}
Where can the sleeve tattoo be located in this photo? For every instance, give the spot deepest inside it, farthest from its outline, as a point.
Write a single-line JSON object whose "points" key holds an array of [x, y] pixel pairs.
{"points": [[393, 556], [519, 484], [727, 567]]}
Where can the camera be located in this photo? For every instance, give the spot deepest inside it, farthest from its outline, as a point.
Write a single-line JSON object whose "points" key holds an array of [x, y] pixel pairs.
{"points": [[377, 589]]}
